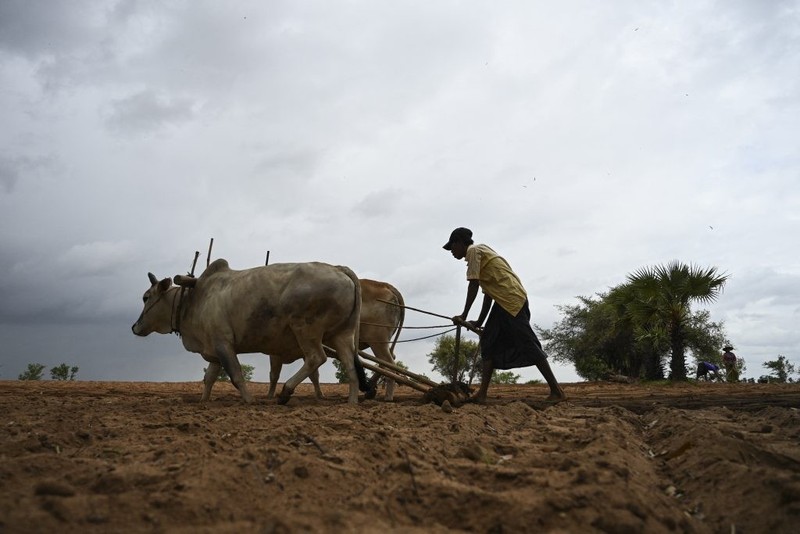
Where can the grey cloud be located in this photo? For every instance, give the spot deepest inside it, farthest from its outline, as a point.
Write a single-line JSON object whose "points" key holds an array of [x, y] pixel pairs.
{"points": [[14, 168], [9, 174], [288, 163], [81, 284], [562, 252], [148, 111], [381, 203], [95, 259], [33, 28], [68, 43], [765, 286]]}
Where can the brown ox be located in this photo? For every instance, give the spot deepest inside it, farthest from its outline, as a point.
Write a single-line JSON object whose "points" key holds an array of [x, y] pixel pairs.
{"points": [[380, 327], [285, 308]]}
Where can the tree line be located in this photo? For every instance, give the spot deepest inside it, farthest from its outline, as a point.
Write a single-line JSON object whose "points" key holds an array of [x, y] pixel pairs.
{"points": [[34, 371], [642, 328]]}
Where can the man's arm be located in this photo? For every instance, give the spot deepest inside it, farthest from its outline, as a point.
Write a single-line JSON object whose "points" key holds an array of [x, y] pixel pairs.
{"points": [[487, 303], [472, 292]]}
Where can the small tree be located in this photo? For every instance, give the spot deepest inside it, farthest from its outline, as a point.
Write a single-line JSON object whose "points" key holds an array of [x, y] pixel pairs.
{"points": [[469, 360], [341, 372], [63, 372], [33, 372], [247, 373], [782, 369], [505, 377]]}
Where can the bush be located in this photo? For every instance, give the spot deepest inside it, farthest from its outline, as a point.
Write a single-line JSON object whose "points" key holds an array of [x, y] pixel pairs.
{"points": [[63, 372], [505, 377], [782, 369], [33, 372], [247, 373]]}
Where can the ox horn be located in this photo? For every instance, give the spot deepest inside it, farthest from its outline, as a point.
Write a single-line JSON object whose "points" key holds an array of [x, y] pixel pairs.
{"points": [[153, 279], [184, 281]]}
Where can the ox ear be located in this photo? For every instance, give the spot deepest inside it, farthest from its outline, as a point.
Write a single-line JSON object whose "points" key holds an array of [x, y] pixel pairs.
{"points": [[185, 281], [153, 279], [164, 284]]}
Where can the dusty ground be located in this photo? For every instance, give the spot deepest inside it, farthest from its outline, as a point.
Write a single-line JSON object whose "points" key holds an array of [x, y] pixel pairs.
{"points": [[142, 457]]}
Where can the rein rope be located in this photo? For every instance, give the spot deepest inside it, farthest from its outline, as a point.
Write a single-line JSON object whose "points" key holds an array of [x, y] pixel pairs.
{"points": [[423, 337], [393, 326], [450, 329]]}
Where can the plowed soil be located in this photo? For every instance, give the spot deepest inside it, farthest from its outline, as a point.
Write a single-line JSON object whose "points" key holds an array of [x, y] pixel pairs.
{"points": [[148, 457]]}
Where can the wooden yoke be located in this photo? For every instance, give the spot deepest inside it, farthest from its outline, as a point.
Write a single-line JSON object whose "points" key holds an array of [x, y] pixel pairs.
{"points": [[183, 280]]}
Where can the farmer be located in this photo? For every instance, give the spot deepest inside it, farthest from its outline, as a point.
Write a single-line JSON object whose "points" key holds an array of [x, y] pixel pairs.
{"points": [[706, 368], [729, 361], [508, 341]]}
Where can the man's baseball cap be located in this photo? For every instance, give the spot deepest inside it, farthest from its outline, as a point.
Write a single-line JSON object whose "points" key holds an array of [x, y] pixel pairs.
{"points": [[462, 235]]}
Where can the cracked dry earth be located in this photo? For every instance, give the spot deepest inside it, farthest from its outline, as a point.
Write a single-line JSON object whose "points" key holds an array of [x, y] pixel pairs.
{"points": [[148, 457]]}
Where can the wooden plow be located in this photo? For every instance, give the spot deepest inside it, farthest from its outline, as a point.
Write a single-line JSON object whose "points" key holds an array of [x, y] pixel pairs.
{"points": [[454, 392]]}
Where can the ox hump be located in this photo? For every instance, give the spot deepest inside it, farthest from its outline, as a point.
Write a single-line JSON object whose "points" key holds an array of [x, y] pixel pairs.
{"points": [[217, 266]]}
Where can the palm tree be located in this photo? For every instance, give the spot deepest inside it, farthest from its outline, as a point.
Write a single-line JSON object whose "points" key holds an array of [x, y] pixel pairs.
{"points": [[662, 297]]}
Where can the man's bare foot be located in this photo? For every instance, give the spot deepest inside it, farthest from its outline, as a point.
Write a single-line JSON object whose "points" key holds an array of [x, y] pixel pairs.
{"points": [[557, 396]]}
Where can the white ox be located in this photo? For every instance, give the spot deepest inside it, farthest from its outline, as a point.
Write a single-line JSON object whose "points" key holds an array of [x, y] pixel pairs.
{"points": [[282, 309], [380, 327]]}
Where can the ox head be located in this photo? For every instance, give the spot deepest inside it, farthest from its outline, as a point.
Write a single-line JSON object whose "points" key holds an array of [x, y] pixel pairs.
{"points": [[158, 308]]}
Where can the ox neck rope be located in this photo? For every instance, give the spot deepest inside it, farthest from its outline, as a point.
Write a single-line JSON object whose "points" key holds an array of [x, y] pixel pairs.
{"points": [[176, 312]]}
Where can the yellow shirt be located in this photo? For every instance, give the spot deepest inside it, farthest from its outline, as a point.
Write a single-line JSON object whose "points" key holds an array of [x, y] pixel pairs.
{"points": [[495, 278]]}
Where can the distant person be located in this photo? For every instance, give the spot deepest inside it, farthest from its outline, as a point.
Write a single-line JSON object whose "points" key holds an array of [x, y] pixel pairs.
{"points": [[507, 341], [729, 361], [708, 370]]}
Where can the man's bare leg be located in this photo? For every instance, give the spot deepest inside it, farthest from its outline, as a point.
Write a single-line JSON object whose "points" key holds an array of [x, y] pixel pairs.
{"points": [[487, 368], [556, 393]]}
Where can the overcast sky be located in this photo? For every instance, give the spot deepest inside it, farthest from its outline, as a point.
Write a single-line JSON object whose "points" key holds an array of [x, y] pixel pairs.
{"points": [[582, 140]]}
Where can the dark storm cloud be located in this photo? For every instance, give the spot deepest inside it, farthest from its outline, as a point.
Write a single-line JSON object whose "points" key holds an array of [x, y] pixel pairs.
{"points": [[37, 28], [80, 285]]}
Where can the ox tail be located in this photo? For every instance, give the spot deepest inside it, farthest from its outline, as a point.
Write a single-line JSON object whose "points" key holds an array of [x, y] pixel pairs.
{"points": [[402, 310], [355, 319]]}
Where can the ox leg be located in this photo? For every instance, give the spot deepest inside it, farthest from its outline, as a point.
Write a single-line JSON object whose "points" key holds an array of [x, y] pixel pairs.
{"points": [[381, 351], [212, 373], [227, 358], [313, 357], [315, 380], [346, 354], [275, 366]]}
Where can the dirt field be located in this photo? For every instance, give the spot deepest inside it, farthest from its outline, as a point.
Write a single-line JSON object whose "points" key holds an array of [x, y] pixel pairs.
{"points": [[148, 457]]}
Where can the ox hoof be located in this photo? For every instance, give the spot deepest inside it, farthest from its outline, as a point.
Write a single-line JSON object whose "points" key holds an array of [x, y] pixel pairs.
{"points": [[284, 397], [371, 393]]}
